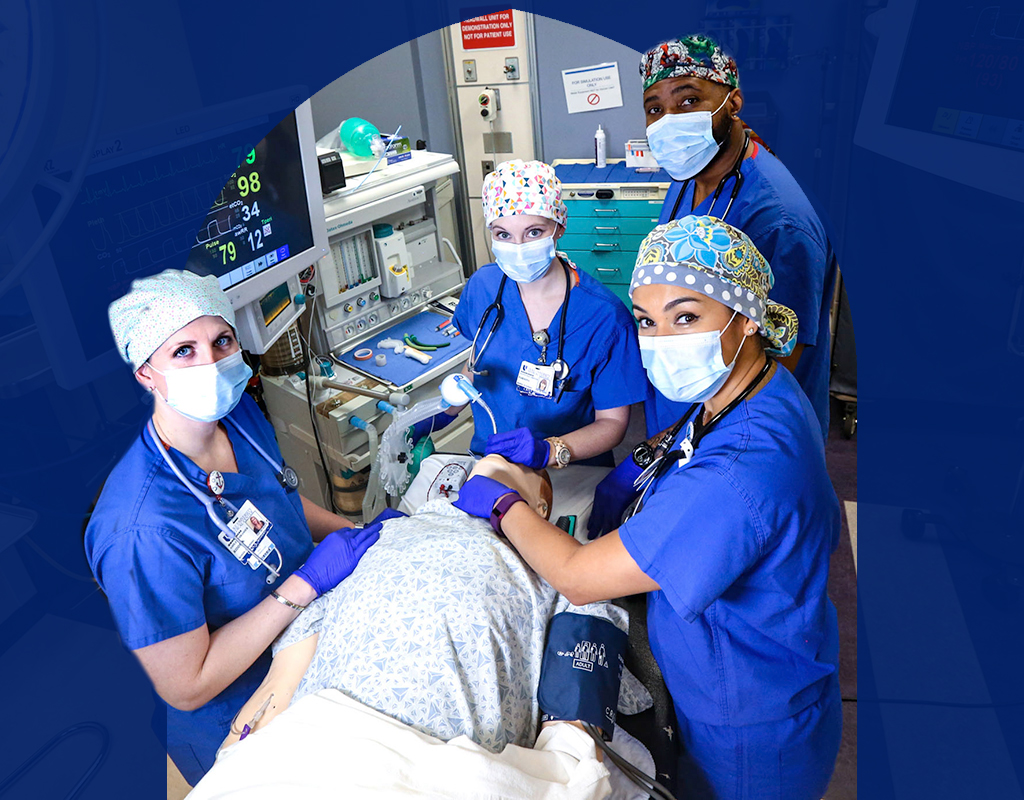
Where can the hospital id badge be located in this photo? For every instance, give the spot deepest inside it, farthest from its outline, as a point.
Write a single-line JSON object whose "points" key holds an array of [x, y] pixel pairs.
{"points": [[251, 543], [535, 380]]}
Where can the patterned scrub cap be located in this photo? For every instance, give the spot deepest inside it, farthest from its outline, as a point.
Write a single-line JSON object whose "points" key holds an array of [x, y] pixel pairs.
{"points": [[523, 187], [696, 55], [714, 258], [159, 305]]}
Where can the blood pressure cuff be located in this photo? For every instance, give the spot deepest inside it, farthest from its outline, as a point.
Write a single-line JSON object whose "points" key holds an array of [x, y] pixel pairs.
{"points": [[582, 670]]}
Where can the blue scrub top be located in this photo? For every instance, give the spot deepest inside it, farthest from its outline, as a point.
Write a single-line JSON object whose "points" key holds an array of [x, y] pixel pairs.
{"points": [[154, 552], [739, 541], [774, 212], [600, 348]]}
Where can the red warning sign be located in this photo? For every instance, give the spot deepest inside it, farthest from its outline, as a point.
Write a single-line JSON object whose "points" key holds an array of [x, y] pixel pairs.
{"points": [[593, 99], [489, 31]]}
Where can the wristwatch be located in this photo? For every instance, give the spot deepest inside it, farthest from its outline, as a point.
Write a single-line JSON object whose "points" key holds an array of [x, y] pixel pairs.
{"points": [[505, 502], [562, 454]]}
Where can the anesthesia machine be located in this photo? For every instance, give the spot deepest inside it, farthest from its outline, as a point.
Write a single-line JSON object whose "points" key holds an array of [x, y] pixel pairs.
{"points": [[378, 328]]}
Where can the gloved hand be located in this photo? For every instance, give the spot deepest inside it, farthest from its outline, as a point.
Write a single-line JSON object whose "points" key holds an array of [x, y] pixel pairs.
{"points": [[425, 427], [521, 447], [611, 498], [336, 556], [386, 514], [479, 494]]}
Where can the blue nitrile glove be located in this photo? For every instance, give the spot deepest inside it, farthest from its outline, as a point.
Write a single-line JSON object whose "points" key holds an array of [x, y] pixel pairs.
{"points": [[521, 447], [336, 556], [612, 497], [425, 427], [386, 514], [479, 494]]}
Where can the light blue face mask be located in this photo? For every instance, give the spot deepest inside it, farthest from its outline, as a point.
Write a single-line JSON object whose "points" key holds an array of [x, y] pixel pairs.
{"points": [[207, 392], [526, 262], [687, 367], [683, 144]]}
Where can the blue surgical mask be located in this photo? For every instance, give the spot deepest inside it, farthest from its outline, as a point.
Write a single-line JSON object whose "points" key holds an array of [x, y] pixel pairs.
{"points": [[687, 367], [207, 392], [526, 262], [683, 144]]}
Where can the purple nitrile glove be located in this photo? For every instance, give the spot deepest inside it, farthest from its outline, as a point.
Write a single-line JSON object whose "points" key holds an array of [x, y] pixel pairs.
{"points": [[479, 494], [520, 446], [611, 498], [386, 514], [336, 556], [425, 427]]}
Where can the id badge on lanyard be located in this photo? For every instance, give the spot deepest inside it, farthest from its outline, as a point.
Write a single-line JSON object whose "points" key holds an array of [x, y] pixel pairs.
{"points": [[251, 543], [536, 380]]}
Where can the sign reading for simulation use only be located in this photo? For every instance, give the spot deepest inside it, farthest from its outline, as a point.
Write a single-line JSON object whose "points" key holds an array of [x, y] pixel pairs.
{"points": [[489, 31], [592, 88]]}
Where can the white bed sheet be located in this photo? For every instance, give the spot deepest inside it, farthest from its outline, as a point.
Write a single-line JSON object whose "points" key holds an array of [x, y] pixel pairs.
{"points": [[328, 745]]}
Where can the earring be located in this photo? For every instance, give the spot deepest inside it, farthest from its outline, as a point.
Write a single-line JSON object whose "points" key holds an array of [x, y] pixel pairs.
{"points": [[751, 331]]}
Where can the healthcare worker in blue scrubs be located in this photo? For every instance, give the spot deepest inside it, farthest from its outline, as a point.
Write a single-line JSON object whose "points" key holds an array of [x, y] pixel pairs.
{"points": [[733, 535], [692, 103], [200, 613], [555, 353]]}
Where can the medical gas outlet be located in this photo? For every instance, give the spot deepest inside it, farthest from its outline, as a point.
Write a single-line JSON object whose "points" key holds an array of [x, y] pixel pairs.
{"points": [[490, 104], [394, 260]]}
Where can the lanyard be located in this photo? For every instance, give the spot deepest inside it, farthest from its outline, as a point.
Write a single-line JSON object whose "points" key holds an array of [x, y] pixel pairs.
{"points": [[561, 368], [209, 501]]}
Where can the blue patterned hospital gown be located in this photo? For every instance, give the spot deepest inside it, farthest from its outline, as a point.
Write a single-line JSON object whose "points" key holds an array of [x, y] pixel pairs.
{"points": [[441, 626]]}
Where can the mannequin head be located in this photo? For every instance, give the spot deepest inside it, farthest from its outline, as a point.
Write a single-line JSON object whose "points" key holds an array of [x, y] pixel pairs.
{"points": [[534, 486]]}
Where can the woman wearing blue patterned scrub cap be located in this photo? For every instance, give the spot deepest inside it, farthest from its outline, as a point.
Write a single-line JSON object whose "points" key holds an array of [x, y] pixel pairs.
{"points": [[733, 531]]}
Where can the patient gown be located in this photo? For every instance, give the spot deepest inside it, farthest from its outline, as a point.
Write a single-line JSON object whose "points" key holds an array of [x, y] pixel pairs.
{"points": [[441, 626]]}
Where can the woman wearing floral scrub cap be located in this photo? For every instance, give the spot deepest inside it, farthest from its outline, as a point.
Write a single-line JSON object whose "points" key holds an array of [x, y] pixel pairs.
{"points": [[558, 365], [733, 532]]}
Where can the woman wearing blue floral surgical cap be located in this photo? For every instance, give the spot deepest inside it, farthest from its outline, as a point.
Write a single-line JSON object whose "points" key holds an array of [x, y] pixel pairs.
{"points": [[733, 531], [199, 616]]}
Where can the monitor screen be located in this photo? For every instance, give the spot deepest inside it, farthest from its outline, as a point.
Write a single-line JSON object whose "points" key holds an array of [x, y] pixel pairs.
{"points": [[115, 232], [973, 89], [261, 215]]}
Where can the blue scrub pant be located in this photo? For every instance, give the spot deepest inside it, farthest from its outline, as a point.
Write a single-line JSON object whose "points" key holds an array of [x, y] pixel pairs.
{"points": [[791, 759]]}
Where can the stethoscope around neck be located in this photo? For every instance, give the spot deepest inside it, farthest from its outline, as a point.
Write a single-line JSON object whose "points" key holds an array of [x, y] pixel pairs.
{"points": [[285, 474], [735, 172], [655, 461], [559, 364]]}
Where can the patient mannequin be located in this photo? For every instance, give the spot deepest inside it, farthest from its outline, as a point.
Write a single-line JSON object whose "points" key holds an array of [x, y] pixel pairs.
{"points": [[438, 603]]}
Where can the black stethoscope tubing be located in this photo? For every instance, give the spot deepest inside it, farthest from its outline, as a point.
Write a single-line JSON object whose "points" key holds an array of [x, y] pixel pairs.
{"points": [[735, 172], [561, 368], [673, 456]]}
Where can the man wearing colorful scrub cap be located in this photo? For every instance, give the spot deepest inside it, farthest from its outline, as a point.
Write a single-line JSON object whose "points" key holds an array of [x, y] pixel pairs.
{"points": [[692, 103]]}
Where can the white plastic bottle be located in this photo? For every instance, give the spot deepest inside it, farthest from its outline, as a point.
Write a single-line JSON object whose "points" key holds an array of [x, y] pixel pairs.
{"points": [[600, 151]]}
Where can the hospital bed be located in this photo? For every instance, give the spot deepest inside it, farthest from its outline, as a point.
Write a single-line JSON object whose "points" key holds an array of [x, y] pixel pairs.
{"points": [[327, 741]]}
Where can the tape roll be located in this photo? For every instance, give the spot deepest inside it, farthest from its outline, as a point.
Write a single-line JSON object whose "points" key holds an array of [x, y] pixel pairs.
{"points": [[363, 355], [381, 360]]}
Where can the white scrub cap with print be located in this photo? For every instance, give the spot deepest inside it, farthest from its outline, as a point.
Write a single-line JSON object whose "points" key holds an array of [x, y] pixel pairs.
{"points": [[157, 306]]}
